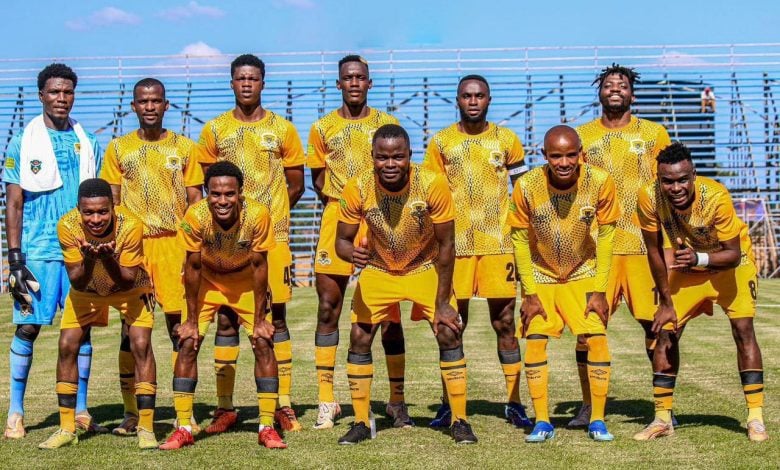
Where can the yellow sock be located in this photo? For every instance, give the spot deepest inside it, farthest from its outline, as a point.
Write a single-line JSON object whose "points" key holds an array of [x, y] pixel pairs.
{"points": [[663, 395], [753, 388], [599, 371], [360, 373], [127, 380], [325, 346], [283, 353], [267, 395], [66, 397], [145, 395], [226, 349], [511, 365], [650, 348], [454, 373], [396, 369], [537, 375], [581, 352], [183, 395]]}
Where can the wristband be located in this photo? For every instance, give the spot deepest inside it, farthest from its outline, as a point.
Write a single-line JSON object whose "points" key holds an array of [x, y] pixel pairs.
{"points": [[15, 256], [702, 259]]}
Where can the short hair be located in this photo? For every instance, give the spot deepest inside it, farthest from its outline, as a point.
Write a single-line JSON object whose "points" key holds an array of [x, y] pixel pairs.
{"points": [[476, 77], [391, 131], [628, 72], [56, 71], [674, 153], [149, 82], [224, 168], [250, 60], [353, 58], [95, 187]]}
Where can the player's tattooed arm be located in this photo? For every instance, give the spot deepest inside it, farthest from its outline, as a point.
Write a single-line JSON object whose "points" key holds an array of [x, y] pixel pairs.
{"points": [[445, 314], [657, 261], [295, 187], [188, 330]]}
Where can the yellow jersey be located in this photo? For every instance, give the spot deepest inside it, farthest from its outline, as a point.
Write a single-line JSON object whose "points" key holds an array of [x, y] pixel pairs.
{"points": [[628, 154], [343, 147], [561, 229], [476, 167], [262, 150], [400, 225]]}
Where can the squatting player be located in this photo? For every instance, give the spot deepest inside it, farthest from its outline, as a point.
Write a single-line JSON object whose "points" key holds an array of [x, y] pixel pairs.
{"points": [[339, 148], [43, 167], [478, 158], [154, 175], [103, 251], [625, 146], [227, 239], [713, 261], [267, 149], [557, 210], [409, 255]]}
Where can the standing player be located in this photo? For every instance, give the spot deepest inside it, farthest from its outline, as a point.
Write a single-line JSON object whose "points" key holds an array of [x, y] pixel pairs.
{"points": [[626, 147], [103, 252], [557, 210], [478, 158], [43, 167], [713, 261], [339, 148], [409, 255], [267, 150], [153, 174], [227, 239]]}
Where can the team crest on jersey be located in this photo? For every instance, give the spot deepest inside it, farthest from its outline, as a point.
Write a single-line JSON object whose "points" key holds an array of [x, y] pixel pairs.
{"points": [[77, 147], [173, 162], [323, 258], [269, 140], [587, 214], [637, 146], [35, 166], [496, 159]]}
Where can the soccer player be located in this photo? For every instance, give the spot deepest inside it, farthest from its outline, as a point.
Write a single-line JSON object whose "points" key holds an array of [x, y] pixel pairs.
{"points": [[409, 255], [557, 210], [103, 252], [478, 158], [339, 148], [625, 146], [43, 167], [227, 238], [154, 175], [267, 149], [713, 261]]}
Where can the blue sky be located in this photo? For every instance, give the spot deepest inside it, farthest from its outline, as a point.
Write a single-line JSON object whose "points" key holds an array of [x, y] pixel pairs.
{"points": [[53, 28]]}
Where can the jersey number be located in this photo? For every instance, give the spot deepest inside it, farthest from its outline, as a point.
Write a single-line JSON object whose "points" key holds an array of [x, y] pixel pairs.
{"points": [[288, 275], [510, 272], [752, 287]]}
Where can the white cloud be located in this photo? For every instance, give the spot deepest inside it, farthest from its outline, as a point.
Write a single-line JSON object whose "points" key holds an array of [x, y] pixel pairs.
{"points": [[107, 16], [193, 8], [303, 4], [680, 59], [199, 49]]}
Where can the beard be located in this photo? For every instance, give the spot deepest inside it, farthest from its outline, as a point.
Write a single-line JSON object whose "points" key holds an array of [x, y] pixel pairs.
{"points": [[464, 116]]}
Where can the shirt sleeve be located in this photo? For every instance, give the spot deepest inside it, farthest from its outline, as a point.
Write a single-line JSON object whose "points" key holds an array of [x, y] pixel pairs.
{"points": [[71, 250], [206, 150], [11, 166], [350, 206], [646, 211], [315, 149], [190, 232], [518, 209], [192, 171], [132, 253], [263, 238], [292, 150], [97, 150], [110, 170], [727, 224], [433, 157], [516, 153], [440, 204], [608, 210]]}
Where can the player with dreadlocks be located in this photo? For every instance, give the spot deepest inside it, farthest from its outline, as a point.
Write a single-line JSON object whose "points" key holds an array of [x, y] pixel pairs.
{"points": [[625, 146]]}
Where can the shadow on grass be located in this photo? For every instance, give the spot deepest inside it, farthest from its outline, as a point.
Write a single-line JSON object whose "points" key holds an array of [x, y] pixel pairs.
{"points": [[638, 411]]}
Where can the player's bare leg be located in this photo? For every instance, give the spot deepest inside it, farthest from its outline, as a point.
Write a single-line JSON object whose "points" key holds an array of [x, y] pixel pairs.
{"points": [[284, 415], [452, 364], [666, 364], [185, 380], [443, 417], [751, 372]]}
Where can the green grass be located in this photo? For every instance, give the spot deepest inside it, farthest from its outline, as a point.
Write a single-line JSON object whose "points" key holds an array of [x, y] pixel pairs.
{"points": [[709, 404]]}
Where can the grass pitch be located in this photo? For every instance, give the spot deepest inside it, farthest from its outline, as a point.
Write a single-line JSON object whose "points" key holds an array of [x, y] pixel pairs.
{"points": [[709, 403]]}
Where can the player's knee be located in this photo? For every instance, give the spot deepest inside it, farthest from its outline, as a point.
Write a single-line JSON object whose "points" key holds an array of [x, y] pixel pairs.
{"points": [[392, 333], [124, 343], [280, 324], [263, 350], [743, 332], [447, 339], [360, 338], [27, 332], [504, 326], [141, 345]]}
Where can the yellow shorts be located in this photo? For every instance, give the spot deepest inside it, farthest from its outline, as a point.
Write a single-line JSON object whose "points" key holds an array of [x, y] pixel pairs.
{"points": [[164, 261], [232, 290], [83, 309], [280, 272], [735, 290], [378, 294], [489, 276], [631, 279], [326, 260], [564, 305]]}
